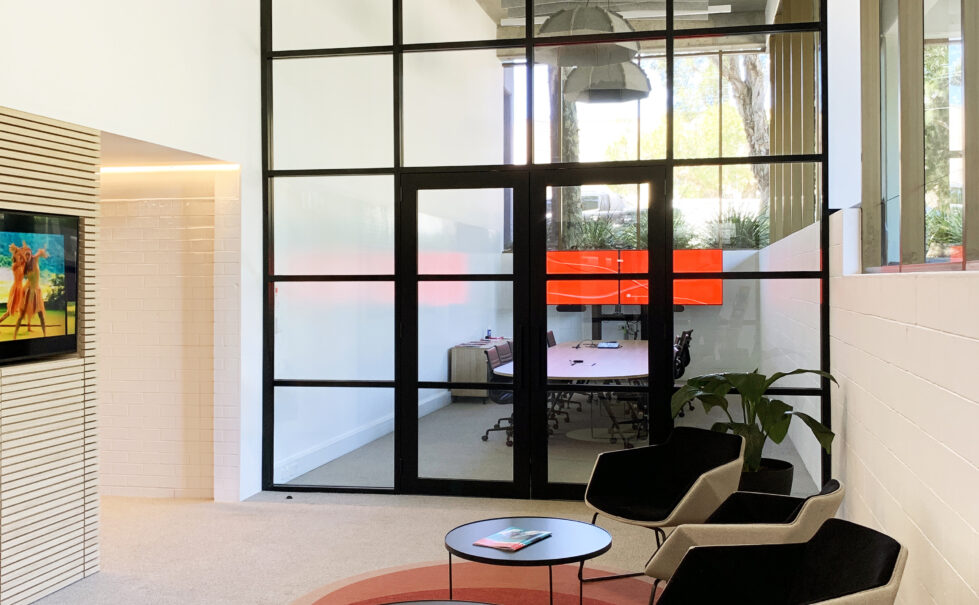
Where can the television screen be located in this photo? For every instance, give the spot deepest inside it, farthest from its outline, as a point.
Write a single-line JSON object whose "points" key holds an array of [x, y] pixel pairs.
{"points": [[38, 285]]}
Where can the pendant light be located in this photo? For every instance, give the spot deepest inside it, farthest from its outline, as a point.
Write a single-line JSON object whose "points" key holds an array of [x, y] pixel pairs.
{"points": [[585, 20], [607, 84]]}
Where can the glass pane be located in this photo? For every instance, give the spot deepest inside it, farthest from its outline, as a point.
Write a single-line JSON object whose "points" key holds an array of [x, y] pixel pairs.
{"points": [[771, 324], [890, 131], [334, 225], [454, 107], [306, 24], [944, 133], [583, 425], [441, 21], [465, 438], [600, 113], [799, 447], [597, 217], [762, 216], [465, 231], [337, 437], [458, 323], [586, 17], [597, 343], [317, 126], [334, 331], [701, 13], [751, 95]]}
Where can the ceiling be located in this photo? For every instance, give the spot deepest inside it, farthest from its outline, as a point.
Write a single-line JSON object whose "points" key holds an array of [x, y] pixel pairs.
{"points": [[118, 150]]}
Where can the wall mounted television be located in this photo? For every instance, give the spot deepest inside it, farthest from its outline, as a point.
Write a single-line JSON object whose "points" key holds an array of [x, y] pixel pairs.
{"points": [[38, 285]]}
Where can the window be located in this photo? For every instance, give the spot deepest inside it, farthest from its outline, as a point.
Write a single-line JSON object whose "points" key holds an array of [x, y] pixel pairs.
{"points": [[917, 218]]}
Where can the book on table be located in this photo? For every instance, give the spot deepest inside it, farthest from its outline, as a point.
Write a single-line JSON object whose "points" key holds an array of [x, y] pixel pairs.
{"points": [[512, 539]]}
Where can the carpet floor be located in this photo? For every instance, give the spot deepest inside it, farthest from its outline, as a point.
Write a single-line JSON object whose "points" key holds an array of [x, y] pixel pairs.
{"points": [[272, 550]]}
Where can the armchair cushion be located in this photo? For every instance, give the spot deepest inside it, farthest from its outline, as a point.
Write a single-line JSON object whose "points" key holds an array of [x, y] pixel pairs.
{"points": [[646, 485]]}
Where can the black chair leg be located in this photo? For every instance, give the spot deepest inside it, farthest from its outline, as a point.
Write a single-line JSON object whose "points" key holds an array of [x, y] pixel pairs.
{"points": [[660, 537], [652, 593]]}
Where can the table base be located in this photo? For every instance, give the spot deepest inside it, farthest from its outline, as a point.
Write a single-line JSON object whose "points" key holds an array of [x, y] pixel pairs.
{"points": [[550, 582]]}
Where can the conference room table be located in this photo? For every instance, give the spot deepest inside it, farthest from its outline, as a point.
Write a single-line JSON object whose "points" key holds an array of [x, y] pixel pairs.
{"points": [[583, 362]]}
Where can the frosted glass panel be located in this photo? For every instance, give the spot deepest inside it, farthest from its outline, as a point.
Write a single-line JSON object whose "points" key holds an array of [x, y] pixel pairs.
{"points": [[336, 437], [454, 108], [450, 444], [334, 331], [462, 231], [454, 21], [457, 315], [333, 113], [334, 225], [305, 24], [771, 324]]}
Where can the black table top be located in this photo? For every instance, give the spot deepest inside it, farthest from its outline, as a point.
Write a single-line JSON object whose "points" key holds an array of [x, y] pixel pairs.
{"points": [[569, 542]]}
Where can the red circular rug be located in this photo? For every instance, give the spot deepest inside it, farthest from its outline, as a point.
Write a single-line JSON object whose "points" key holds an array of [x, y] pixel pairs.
{"points": [[478, 582]]}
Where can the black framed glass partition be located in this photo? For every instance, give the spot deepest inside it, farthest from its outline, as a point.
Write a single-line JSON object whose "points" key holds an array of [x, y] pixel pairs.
{"points": [[433, 169]]}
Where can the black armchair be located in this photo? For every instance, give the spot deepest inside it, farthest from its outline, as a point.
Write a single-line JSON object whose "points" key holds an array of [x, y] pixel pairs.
{"points": [[682, 480], [749, 518], [843, 563]]}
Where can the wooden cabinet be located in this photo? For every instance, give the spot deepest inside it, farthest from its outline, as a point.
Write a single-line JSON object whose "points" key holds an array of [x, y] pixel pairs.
{"points": [[467, 363]]}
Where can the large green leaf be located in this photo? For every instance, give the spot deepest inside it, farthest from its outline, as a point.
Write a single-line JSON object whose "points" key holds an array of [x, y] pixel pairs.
{"points": [[750, 385], [774, 417], [684, 394], [780, 375], [822, 434], [711, 401]]}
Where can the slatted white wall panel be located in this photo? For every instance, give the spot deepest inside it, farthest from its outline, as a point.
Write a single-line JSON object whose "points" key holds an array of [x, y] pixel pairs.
{"points": [[49, 517]]}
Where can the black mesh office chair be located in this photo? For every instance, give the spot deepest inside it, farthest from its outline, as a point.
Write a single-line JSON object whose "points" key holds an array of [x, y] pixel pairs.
{"points": [[550, 339], [681, 357], [842, 563], [498, 396]]}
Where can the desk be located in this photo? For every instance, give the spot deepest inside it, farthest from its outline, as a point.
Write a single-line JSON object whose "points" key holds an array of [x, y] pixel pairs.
{"points": [[628, 362]]}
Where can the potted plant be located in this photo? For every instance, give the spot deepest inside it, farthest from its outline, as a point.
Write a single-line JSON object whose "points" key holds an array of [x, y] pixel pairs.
{"points": [[762, 418]]}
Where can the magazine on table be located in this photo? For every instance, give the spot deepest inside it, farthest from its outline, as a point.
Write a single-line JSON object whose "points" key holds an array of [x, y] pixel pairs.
{"points": [[512, 539]]}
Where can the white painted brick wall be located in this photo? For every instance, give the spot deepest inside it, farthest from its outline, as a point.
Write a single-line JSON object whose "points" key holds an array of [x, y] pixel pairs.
{"points": [[157, 297], [905, 348]]}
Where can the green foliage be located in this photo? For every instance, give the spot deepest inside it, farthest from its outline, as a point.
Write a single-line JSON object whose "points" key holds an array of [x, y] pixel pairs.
{"points": [[599, 233], [683, 234], [944, 224], [736, 229], [762, 418]]}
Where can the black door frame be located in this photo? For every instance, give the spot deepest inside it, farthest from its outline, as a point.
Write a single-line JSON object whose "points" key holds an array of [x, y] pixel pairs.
{"points": [[406, 319], [659, 387], [529, 278]]}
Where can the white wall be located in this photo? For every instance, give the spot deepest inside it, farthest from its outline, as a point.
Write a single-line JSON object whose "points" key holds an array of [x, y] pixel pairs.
{"points": [[182, 74], [904, 347], [157, 313], [790, 332]]}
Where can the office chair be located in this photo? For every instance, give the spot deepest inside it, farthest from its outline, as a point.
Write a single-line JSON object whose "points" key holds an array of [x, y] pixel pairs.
{"points": [[749, 518], [681, 358], [682, 480], [843, 564], [551, 342], [498, 396], [505, 352]]}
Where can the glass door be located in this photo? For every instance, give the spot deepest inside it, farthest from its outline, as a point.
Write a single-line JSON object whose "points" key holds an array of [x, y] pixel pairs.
{"points": [[601, 269], [463, 419]]}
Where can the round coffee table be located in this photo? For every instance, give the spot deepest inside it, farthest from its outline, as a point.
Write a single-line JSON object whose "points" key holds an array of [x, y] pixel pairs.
{"points": [[569, 542]]}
